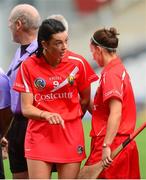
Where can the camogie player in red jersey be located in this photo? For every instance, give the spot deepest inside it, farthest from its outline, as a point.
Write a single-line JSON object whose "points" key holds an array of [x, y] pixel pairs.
{"points": [[113, 111], [55, 93]]}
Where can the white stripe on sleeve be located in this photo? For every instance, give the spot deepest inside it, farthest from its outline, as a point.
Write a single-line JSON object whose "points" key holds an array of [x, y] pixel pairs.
{"points": [[23, 78]]}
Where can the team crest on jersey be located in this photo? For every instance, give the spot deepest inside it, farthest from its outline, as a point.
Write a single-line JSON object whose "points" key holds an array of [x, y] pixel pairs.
{"points": [[40, 83], [80, 149], [71, 80]]}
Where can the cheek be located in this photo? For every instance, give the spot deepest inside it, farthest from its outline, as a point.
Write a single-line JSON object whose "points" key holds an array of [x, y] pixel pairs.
{"points": [[95, 56], [100, 61], [52, 50]]}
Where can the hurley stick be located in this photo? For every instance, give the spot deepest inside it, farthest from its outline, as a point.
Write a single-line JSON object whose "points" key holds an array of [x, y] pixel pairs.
{"points": [[93, 171]]}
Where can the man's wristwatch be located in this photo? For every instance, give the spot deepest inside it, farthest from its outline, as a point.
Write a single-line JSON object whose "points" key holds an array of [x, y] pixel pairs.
{"points": [[105, 145]]}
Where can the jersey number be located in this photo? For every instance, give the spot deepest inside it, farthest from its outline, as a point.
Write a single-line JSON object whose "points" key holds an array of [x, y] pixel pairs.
{"points": [[55, 84]]}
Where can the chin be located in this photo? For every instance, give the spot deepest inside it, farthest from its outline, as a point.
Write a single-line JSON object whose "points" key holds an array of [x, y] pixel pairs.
{"points": [[62, 55], [101, 65]]}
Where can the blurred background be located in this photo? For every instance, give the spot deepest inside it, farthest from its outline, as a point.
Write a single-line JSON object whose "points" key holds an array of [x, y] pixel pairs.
{"points": [[84, 17]]}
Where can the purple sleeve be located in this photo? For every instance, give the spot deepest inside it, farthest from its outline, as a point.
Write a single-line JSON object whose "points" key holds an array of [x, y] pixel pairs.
{"points": [[4, 91]]}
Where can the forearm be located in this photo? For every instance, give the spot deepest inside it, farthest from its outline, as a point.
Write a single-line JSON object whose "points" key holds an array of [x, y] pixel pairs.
{"points": [[31, 112], [85, 99], [90, 107], [27, 107], [113, 124], [84, 105], [112, 127]]}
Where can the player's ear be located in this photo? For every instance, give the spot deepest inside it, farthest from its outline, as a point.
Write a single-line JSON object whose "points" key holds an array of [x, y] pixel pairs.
{"points": [[44, 44], [98, 48]]}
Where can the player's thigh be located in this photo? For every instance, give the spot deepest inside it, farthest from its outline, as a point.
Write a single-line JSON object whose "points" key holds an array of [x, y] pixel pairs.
{"points": [[38, 169], [68, 170]]}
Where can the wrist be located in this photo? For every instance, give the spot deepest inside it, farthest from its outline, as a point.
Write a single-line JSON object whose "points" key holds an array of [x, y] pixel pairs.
{"points": [[105, 145], [41, 114]]}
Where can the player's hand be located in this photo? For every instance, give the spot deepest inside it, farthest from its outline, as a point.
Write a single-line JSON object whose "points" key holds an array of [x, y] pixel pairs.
{"points": [[106, 157], [4, 144], [53, 118]]}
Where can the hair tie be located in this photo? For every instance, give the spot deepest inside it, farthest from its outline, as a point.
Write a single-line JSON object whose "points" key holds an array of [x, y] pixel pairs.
{"points": [[111, 49]]}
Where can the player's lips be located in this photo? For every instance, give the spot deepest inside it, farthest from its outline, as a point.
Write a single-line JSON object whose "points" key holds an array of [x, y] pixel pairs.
{"points": [[62, 53]]}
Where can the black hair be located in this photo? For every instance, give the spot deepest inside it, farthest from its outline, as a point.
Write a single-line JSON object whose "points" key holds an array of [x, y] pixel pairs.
{"points": [[46, 30]]}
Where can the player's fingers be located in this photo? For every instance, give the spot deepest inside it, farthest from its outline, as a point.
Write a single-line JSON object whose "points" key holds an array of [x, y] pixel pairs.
{"points": [[57, 119], [62, 124], [61, 121], [109, 159], [3, 143], [104, 164], [107, 162], [50, 121], [54, 119]]}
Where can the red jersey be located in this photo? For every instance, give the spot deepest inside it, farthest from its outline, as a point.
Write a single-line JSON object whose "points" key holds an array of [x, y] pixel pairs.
{"points": [[56, 89], [114, 83]]}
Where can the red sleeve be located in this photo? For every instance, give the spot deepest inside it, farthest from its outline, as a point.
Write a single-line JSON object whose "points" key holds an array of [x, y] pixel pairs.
{"points": [[112, 86], [86, 75], [22, 82]]}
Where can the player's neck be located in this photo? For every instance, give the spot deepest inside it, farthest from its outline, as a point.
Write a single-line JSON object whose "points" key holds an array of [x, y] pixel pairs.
{"points": [[109, 58], [50, 60]]}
